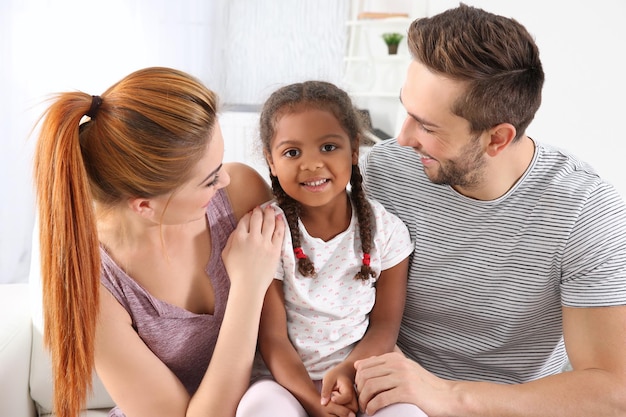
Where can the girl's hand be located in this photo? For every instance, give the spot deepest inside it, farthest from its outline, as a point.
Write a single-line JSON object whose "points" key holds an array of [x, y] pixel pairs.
{"points": [[338, 388], [253, 249]]}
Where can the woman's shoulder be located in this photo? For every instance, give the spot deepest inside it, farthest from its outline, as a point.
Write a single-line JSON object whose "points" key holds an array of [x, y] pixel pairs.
{"points": [[247, 189]]}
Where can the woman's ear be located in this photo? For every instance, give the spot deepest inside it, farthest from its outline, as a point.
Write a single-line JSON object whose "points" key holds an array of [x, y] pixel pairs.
{"points": [[142, 206], [500, 136]]}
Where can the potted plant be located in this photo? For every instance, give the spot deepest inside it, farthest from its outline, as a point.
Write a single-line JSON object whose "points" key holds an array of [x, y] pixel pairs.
{"points": [[392, 40]]}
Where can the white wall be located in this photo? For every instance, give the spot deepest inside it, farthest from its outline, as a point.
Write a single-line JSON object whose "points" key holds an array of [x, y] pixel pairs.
{"points": [[242, 49], [583, 49], [54, 45], [47, 46]]}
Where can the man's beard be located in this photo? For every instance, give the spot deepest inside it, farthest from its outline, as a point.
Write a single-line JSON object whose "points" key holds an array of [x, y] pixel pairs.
{"points": [[464, 171]]}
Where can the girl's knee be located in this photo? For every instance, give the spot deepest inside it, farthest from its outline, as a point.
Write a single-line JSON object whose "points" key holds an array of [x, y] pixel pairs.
{"points": [[398, 409], [267, 398]]}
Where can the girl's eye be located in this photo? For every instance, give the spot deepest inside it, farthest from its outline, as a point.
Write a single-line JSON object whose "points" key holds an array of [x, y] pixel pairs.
{"points": [[291, 153], [328, 147]]}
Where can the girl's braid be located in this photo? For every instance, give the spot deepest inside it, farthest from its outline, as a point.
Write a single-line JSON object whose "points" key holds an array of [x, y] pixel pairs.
{"points": [[292, 214], [364, 216]]}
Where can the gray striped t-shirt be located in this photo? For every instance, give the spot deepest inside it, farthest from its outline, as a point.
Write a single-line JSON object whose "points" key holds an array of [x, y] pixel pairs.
{"points": [[487, 279]]}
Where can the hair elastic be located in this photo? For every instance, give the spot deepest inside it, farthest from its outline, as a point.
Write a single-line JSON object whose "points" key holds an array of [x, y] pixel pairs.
{"points": [[96, 101], [366, 259], [299, 253]]}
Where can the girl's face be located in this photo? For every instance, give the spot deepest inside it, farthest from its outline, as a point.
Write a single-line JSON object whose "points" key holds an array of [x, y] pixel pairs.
{"points": [[189, 202], [312, 157]]}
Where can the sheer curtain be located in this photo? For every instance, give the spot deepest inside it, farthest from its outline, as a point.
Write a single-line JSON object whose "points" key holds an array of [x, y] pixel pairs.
{"points": [[270, 44], [51, 46], [242, 49]]}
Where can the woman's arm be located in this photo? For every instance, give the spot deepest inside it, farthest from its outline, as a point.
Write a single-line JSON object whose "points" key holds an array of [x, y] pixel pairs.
{"points": [[251, 257], [135, 378], [140, 383], [278, 352]]}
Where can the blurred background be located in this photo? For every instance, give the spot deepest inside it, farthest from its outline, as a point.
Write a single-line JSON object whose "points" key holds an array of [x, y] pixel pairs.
{"points": [[244, 49]]}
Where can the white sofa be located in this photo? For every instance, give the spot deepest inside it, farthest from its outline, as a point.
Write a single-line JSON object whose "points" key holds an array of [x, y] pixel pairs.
{"points": [[25, 374], [25, 370]]}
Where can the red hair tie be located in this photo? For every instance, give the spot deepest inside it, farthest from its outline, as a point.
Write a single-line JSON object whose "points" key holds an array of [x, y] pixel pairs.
{"points": [[366, 259], [299, 253]]}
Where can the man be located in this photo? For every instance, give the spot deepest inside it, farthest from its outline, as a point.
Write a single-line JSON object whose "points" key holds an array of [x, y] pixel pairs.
{"points": [[520, 249]]}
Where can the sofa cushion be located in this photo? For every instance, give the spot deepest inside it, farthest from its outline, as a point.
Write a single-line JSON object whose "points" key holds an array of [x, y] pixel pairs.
{"points": [[40, 367], [15, 342], [41, 380]]}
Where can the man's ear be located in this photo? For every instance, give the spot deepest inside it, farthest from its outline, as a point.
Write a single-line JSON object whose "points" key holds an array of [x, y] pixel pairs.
{"points": [[500, 136], [142, 206], [268, 159]]}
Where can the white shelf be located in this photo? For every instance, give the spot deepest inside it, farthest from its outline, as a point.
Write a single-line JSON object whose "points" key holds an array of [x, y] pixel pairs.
{"points": [[370, 75], [369, 71]]}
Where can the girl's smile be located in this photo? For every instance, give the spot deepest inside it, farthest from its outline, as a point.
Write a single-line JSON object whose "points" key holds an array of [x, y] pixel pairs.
{"points": [[316, 185], [312, 157]]}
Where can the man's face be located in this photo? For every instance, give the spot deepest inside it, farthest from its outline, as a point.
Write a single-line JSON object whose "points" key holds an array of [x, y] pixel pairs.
{"points": [[450, 153]]}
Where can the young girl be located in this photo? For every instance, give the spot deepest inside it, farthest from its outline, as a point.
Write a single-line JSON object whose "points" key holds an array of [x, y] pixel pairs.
{"points": [[339, 292], [140, 276]]}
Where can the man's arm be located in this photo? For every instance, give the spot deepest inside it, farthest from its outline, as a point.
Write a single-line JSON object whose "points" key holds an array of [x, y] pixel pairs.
{"points": [[595, 339]]}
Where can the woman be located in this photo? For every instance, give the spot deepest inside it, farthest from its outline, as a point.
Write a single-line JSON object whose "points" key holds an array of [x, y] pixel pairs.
{"points": [[140, 276]]}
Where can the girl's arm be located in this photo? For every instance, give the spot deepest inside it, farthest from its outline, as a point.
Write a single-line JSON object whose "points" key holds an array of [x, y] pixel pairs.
{"points": [[279, 354], [382, 332]]}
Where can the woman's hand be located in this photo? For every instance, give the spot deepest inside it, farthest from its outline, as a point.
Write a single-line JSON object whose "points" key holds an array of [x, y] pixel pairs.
{"points": [[253, 249]]}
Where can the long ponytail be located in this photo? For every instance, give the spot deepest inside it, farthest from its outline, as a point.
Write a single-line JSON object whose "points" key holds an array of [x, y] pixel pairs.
{"points": [[70, 260], [142, 139]]}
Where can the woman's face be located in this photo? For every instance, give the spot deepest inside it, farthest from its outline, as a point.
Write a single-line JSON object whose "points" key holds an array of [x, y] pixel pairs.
{"points": [[189, 202]]}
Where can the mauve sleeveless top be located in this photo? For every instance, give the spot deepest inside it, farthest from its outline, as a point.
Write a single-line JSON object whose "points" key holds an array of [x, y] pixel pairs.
{"points": [[183, 340]]}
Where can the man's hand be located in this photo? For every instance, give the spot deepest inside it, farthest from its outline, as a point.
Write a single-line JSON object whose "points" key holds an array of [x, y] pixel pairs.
{"points": [[392, 378]]}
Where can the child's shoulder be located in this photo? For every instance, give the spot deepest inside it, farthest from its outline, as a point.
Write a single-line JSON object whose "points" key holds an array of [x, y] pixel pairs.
{"points": [[377, 207], [274, 204]]}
